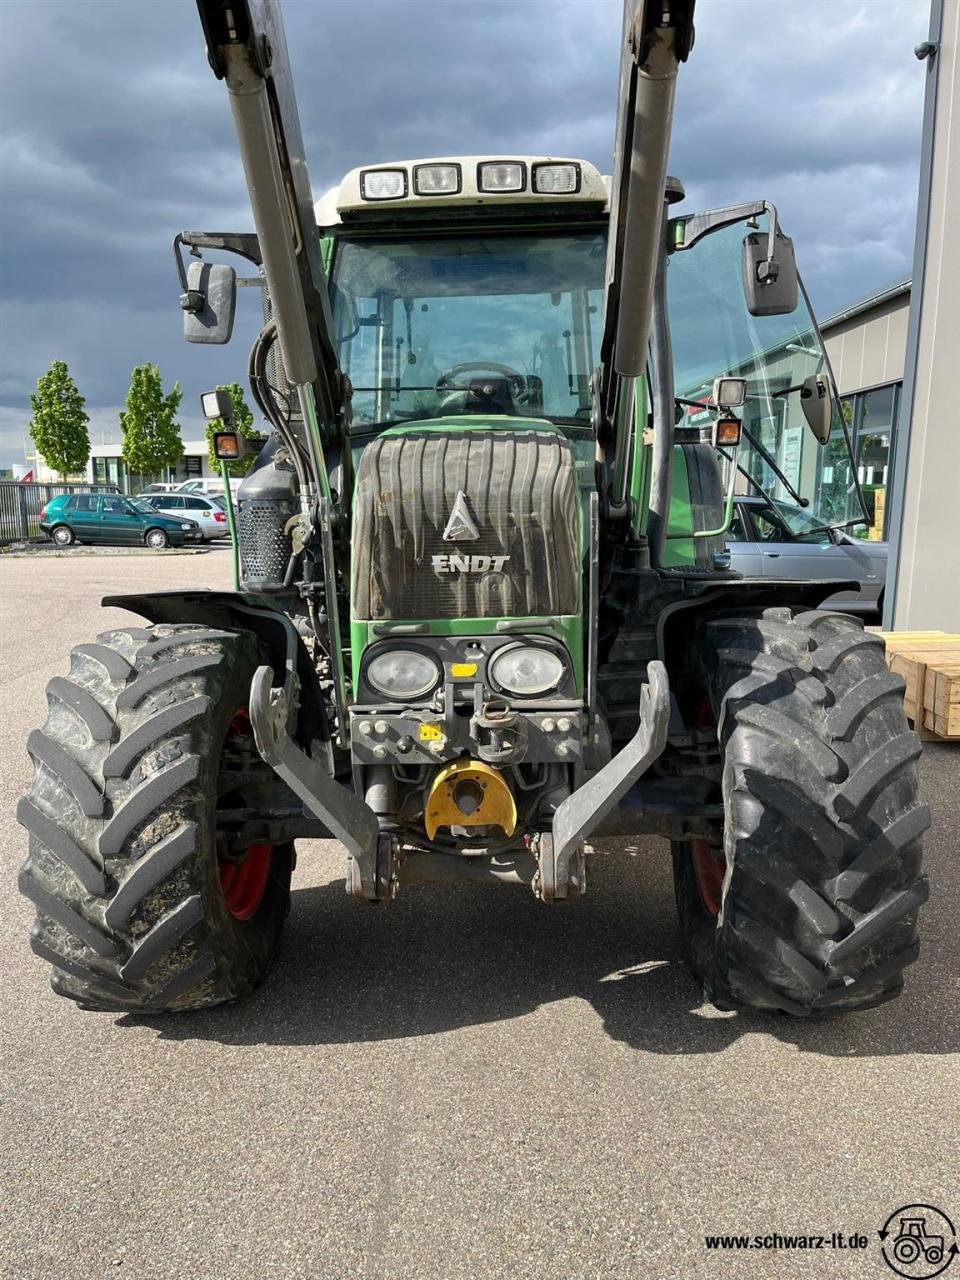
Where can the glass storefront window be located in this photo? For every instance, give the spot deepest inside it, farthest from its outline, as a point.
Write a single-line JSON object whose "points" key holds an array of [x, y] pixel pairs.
{"points": [[873, 417]]}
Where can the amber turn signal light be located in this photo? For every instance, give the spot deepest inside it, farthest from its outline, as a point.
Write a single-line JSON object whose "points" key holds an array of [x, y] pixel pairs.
{"points": [[226, 446], [726, 432]]}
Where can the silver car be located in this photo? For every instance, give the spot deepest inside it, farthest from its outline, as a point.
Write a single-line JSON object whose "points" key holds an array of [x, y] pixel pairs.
{"points": [[778, 540], [208, 512]]}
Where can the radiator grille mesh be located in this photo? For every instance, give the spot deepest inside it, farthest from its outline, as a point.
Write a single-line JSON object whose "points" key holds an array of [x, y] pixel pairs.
{"points": [[520, 490], [264, 547]]}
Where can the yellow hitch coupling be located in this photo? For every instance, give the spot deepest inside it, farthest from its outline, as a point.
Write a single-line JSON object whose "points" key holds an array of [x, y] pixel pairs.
{"points": [[469, 793]]}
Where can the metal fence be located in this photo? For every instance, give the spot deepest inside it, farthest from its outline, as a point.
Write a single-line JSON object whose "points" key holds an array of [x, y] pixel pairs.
{"points": [[21, 504]]}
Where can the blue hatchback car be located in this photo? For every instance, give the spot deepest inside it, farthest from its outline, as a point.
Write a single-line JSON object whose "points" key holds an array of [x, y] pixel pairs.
{"points": [[112, 518]]}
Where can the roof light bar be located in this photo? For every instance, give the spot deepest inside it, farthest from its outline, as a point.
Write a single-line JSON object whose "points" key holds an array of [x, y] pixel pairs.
{"points": [[556, 179], [437, 179], [502, 175], [383, 184]]}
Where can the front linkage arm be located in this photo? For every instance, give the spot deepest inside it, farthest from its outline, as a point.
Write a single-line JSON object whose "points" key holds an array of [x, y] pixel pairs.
{"points": [[583, 811], [349, 820]]}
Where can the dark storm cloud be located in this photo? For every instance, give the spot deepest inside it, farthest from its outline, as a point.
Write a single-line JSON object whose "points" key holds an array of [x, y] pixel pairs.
{"points": [[115, 136]]}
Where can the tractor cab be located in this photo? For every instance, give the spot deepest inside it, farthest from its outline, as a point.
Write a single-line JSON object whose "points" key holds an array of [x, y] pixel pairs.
{"points": [[469, 287]]}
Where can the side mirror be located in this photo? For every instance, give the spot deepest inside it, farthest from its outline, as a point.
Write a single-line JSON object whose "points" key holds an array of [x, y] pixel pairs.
{"points": [[769, 273], [209, 302], [817, 406]]}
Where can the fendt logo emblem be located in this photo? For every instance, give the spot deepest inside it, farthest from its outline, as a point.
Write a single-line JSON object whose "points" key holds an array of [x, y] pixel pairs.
{"points": [[468, 564], [461, 526]]}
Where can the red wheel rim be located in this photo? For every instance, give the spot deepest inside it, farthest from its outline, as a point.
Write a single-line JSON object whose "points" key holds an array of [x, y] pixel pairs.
{"points": [[243, 881], [709, 866]]}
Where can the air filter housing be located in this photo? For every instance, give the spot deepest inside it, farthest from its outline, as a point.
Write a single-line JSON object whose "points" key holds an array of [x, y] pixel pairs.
{"points": [[266, 501]]}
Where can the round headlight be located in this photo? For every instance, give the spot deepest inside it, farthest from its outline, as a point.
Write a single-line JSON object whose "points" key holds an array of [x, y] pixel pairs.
{"points": [[403, 673], [526, 670]]}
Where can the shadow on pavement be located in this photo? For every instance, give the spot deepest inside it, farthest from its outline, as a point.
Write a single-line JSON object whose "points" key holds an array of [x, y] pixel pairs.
{"points": [[443, 957]]}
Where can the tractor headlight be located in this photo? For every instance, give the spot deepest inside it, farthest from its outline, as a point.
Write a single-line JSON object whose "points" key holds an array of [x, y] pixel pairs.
{"points": [[526, 670], [403, 673]]}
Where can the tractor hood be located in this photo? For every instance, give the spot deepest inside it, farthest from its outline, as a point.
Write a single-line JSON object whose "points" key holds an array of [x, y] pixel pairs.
{"points": [[466, 518]]}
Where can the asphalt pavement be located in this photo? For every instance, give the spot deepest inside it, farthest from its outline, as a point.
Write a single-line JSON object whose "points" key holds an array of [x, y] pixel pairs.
{"points": [[464, 1083]]}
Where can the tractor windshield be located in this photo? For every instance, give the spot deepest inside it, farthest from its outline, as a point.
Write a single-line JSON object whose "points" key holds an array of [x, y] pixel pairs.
{"points": [[477, 323], [713, 334]]}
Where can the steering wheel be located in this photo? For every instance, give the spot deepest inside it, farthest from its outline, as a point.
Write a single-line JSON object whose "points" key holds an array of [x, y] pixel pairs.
{"points": [[448, 380]]}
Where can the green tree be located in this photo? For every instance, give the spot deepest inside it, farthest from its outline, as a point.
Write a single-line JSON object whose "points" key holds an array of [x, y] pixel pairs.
{"points": [[151, 433], [59, 422], [242, 423]]}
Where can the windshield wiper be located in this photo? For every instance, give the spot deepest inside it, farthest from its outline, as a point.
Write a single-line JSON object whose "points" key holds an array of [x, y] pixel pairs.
{"points": [[801, 502]]}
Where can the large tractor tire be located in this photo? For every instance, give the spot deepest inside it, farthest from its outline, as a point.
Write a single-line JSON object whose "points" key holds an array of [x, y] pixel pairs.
{"points": [[807, 901], [140, 904]]}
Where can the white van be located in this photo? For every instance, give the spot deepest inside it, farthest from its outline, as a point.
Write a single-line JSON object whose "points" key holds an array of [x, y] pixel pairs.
{"points": [[210, 486]]}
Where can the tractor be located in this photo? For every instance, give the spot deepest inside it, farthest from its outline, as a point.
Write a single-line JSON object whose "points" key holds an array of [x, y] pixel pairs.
{"points": [[483, 613], [912, 1240]]}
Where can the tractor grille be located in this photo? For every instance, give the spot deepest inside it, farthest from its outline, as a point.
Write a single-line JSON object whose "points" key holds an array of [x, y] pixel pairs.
{"points": [[264, 547], [520, 499]]}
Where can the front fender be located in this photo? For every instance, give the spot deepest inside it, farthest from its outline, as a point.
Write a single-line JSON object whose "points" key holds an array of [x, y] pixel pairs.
{"points": [[236, 611]]}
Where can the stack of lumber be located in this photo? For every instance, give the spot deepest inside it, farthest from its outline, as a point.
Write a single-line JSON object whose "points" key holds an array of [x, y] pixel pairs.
{"points": [[929, 662]]}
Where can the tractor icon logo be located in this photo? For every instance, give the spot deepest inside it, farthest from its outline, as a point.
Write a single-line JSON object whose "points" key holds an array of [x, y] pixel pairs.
{"points": [[918, 1241]]}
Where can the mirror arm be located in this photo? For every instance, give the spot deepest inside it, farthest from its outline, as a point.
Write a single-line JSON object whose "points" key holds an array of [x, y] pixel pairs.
{"points": [[242, 243], [697, 225], [190, 299], [770, 269]]}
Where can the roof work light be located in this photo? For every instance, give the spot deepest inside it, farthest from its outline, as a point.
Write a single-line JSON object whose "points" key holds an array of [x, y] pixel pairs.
{"points": [[217, 404], [501, 176], [383, 184]]}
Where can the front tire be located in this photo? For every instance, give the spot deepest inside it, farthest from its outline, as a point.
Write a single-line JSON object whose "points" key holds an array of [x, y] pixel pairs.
{"points": [[807, 902], [158, 539], [140, 903]]}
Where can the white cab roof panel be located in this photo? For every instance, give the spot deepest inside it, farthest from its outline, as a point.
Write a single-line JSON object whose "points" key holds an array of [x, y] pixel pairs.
{"points": [[466, 178]]}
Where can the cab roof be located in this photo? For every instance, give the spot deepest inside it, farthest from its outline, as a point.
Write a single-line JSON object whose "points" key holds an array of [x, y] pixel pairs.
{"points": [[465, 181]]}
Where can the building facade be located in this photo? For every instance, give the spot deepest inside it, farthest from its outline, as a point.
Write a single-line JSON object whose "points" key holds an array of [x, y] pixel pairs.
{"points": [[106, 466], [866, 344]]}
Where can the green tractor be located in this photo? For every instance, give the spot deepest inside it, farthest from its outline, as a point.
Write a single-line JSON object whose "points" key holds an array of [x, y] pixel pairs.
{"points": [[484, 612]]}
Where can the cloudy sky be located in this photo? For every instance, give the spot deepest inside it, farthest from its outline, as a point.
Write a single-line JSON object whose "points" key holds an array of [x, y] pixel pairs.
{"points": [[114, 135]]}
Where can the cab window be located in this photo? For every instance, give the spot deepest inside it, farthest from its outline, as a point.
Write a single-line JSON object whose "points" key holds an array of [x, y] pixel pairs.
{"points": [[419, 322], [782, 523], [736, 532]]}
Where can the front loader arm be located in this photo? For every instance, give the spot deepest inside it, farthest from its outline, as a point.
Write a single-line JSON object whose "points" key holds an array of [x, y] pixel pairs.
{"points": [[246, 48], [657, 37]]}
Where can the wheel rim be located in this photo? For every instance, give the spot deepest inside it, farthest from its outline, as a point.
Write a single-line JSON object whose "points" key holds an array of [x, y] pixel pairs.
{"points": [[63, 536], [906, 1251], [157, 539], [243, 881], [709, 867]]}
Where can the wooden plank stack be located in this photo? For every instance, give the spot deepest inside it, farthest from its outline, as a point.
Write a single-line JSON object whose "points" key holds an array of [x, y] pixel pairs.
{"points": [[929, 662]]}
